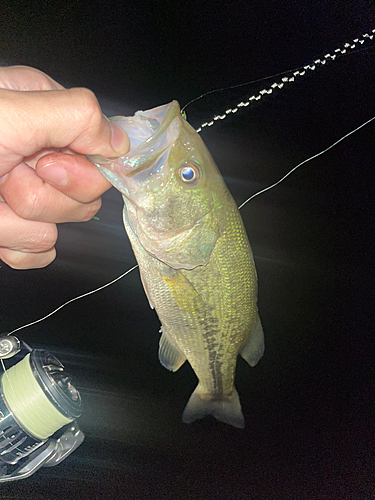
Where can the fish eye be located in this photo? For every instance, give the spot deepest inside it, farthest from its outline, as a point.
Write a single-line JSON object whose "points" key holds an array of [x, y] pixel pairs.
{"points": [[190, 173]]}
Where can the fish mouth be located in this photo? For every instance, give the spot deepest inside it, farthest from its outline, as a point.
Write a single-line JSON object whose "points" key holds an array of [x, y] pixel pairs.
{"points": [[151, 133]]}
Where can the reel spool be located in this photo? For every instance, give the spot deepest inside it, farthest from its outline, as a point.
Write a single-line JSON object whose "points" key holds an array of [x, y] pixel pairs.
{"points": [[37, 399]]}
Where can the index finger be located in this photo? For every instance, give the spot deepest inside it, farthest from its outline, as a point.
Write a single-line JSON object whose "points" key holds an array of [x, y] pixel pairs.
{"points": [[31, 121], [26, 78]]}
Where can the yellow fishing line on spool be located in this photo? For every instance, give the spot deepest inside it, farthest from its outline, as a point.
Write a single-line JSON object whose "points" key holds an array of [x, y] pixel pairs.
{"points": [[28, 403]]}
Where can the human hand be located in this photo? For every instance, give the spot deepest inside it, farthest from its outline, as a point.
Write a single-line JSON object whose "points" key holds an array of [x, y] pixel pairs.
{"points": [[44, 129]]}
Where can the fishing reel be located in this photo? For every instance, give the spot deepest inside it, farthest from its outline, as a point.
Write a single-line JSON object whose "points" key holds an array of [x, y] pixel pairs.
{"points": [[38, 408]]}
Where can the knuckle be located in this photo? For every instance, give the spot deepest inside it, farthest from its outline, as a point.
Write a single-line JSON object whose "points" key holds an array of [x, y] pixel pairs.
{"points": [[28, 206], [33, 78], [46, 238], [89, 106], [41, 238]]}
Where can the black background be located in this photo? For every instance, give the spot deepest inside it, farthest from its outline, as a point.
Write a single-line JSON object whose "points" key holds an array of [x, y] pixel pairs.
{"points": [[309, 403]]}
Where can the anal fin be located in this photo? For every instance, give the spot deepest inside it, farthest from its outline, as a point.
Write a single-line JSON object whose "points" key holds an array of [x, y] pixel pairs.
{"points": [[253, 350], [170, 355]]}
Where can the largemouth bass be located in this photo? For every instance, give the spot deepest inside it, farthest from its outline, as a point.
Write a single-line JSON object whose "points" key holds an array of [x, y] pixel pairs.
{"points": [[194, 257]]}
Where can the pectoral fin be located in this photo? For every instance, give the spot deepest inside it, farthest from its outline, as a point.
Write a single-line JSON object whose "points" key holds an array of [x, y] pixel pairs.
{"points": [[254, 349], [170, 355]]}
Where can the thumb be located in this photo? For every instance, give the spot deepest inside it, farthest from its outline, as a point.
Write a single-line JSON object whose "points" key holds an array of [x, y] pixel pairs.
{"points": [[120, 142]]}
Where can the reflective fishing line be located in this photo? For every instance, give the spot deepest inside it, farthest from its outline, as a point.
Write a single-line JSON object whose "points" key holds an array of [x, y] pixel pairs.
{"points": [[347, 49]]}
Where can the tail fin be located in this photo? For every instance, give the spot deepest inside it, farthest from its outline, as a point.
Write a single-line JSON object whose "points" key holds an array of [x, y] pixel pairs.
{"points": [[227, 409]]}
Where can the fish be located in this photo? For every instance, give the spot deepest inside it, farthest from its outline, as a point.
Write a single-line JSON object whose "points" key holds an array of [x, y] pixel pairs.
{"points": [[195, 260]]}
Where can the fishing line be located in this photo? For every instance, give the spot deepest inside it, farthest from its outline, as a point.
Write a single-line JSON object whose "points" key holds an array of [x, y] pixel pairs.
{"points": [[347, 49], [27, 400], [37, 399], [73, 300], [262, 79], [305, 161]]}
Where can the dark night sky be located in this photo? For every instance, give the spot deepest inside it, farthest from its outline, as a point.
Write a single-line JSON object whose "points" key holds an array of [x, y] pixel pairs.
{"points": [[309, 403]]}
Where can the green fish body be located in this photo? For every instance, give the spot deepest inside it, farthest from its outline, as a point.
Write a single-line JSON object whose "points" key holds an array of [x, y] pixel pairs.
{"points": [[194, 257]]}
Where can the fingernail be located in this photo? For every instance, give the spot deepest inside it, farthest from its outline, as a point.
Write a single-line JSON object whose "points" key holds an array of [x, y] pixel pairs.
{"points": [[120, 139], [54, 174], [3, 178]]}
